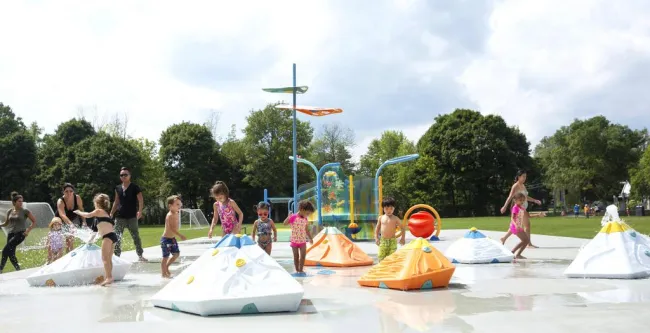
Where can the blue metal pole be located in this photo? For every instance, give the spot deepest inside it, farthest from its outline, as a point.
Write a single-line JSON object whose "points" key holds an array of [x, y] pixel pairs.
{"points": [[319, 195], [295, 159], [392, 161], [266, 199]]}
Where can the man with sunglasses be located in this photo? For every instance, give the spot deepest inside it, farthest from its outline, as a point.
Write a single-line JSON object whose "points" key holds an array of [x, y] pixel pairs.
{"points": [[128, 203]]}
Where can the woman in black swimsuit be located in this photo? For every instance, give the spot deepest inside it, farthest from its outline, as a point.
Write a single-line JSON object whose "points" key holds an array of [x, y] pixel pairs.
{"points": [[65, 210], [103, 226]]}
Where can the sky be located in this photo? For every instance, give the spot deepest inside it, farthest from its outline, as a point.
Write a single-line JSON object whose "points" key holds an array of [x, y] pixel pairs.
{"points": [[389, 64]]}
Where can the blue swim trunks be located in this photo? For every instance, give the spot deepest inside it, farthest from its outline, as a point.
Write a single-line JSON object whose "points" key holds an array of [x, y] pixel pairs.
{"points": [[169, 246]]}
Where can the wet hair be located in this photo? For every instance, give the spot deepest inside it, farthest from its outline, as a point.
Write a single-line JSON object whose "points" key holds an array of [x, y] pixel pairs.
{"points": [[55, 221], [519, 196], [520, 173], [262, 205], [388, 202], [172, 199], [306, 205], [15, 197], [102, 201], [67, 185], [125, 169], [220, 188]]}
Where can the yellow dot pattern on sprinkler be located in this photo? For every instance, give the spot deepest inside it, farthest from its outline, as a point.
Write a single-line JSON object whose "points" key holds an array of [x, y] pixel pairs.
{"points": [[238, 235], [215, 252], [473, 229], [240, 262], [191, 279], [325, 241]]}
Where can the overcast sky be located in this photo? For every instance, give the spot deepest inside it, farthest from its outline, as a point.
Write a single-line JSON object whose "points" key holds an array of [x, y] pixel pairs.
{"points": [[390, 64]]}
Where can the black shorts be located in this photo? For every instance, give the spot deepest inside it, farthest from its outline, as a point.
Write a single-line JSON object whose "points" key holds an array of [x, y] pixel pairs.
{"points": [[112, 236]]}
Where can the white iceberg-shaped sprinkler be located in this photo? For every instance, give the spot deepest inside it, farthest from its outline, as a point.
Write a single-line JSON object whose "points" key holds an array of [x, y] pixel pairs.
{"points": [[234, 277], [82, 266], [476, 248], [617, 252]]}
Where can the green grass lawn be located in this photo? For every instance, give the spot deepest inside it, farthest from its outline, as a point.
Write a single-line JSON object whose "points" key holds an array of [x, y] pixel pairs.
{"points": [[554, 226]]}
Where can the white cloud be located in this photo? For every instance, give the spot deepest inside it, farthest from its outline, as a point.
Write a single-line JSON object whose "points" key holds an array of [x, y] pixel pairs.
{"points": [[391, 64]]}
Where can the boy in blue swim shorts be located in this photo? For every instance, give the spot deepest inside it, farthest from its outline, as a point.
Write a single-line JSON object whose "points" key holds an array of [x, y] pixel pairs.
{"points": [[168, 242]]}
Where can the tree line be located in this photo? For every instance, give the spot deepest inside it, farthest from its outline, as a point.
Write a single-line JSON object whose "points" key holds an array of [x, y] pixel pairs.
{"points": [[466, 167]]}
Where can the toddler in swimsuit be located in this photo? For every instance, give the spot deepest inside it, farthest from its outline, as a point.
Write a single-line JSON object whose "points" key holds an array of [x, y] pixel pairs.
{"points": [[55, 240], [224, 210], [517, 224], [300, 234], [168, 241], [385, 231], [264, 228]]}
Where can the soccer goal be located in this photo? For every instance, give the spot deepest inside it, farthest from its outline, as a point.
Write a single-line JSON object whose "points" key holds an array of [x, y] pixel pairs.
{"points": [[43, 213], [193, 219]]}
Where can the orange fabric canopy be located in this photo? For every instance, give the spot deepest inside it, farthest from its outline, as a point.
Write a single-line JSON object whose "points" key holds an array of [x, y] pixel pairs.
{"points": [[311, 110]]}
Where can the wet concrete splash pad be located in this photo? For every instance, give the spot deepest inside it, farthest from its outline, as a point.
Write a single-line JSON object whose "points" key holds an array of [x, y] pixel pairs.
{"points": [[480, 298]]}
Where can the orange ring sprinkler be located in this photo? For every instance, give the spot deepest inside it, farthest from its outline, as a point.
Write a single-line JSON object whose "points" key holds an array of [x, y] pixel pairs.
{"points": [[422, 224]]}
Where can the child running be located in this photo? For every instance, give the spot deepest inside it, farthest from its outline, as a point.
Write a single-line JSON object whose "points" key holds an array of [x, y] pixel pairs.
{"points": [[517, 226], [264, 228], [300, 234], [385, 230], [55, 240], [168, 242], [103, 226], [224, 210]]}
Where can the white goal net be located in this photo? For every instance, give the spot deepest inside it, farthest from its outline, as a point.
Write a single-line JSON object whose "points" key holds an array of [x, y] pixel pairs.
{"points": [[193, 219], [43, 213]]}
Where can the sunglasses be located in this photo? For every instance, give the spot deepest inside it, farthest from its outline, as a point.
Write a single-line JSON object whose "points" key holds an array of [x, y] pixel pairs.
{"points": [[124, 175]]}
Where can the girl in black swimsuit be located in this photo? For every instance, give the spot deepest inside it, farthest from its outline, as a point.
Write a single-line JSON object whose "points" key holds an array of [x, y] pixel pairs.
{"points": [[103, 226]]}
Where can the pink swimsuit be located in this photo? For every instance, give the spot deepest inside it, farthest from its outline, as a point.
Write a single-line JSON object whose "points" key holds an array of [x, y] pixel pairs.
{"points": [[227, 216], [298, 230], [516, 223]]}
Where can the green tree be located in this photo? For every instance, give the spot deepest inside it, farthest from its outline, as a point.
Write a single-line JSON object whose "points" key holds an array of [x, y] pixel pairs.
{"points": [[640, 177], [93, 165], [192, 162], [17, 172], [475, 159], [268, 141], [152, 181], [391, 144], [333, 144], [233, 151], [590, 156]]}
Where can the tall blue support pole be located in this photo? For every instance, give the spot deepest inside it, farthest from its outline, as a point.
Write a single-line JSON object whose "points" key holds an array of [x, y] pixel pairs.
{"points": [[295, 159], [266, 199]]}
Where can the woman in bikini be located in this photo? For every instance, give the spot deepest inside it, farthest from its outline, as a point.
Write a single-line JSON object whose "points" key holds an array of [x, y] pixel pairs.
{"points": [[520, 187]]}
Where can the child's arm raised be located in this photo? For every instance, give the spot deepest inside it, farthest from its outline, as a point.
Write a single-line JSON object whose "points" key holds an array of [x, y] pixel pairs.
{"points": [[286, 221], [275, 231], [86, 214], [215, 218], [171, 222]]}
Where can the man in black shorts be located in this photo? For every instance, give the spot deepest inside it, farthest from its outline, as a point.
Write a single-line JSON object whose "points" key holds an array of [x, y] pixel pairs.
{"points": [[128, 203]]}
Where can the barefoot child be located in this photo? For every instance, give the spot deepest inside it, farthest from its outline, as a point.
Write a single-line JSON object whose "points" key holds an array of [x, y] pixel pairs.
{"points": [[300, 234], [168, 241], [517, 226], [55, 240], [224, 210], [104, 227], [264, 228], [385, 230]]}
